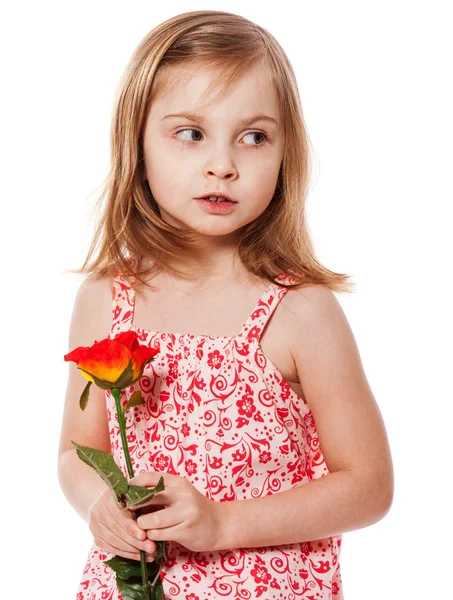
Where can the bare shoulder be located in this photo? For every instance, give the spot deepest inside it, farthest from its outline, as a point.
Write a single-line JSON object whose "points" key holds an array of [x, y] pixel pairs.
{"points": [[315, 316], [92, 310], [311, 300], [320, 334]]}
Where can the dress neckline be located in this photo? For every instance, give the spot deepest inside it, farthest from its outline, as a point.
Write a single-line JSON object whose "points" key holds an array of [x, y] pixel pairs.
{"points": [[247, 325]]}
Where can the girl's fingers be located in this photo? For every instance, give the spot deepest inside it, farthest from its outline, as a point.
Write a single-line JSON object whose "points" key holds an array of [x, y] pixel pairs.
{"points": [[109, 523], [109, 532], [119, 532], [102, 543], [126, 528], [164, 519], [121, 512]]}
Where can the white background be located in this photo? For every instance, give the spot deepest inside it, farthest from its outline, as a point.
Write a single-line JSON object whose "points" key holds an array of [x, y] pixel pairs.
{"points": [[374, 80]]}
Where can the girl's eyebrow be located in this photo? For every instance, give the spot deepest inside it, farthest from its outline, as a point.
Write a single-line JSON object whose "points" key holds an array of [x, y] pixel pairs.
{"points": [[200, 119]]}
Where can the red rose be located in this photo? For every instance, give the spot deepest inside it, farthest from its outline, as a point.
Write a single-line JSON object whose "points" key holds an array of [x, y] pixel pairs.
{"points": [[113, 363]]}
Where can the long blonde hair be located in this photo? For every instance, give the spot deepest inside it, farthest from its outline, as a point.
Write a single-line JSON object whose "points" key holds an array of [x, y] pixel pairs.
{"points": [[131, 227]]}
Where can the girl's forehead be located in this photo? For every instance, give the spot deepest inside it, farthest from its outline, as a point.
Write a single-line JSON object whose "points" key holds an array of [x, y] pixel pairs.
{"points": [[186, 90]]}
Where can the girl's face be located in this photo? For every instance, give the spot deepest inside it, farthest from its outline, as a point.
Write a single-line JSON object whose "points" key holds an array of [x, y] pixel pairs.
{"points": [[221, 152]]}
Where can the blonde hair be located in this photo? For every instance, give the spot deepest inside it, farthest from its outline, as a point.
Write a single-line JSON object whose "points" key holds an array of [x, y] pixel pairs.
{"points": [[131, 227]]}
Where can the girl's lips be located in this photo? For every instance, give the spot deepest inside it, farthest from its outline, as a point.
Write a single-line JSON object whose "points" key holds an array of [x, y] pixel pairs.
{"points": [[217, 194], [219, 208]]}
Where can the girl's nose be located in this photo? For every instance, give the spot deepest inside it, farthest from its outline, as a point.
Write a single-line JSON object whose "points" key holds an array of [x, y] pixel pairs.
{"points": [[220, 166]]}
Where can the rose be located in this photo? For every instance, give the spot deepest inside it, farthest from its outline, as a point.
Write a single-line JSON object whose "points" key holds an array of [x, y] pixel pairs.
{"points": [[114, 364]]}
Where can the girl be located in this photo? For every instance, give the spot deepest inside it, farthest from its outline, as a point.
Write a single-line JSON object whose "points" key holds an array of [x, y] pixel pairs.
{"points": [[257, 408]]}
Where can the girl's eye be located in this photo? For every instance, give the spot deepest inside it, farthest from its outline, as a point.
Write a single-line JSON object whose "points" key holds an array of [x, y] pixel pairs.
{"points": [[257, 133], [190, 139]]}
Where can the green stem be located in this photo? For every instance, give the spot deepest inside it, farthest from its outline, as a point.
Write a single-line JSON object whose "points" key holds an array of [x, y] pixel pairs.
{"points": [[116, 393]]}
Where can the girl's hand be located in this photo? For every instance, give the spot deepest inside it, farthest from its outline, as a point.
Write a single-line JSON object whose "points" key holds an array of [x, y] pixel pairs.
{"points": [[188, 517], [115, 529]]}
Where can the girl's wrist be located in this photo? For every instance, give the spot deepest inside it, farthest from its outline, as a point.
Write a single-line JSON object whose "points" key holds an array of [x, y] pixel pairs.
{"points": [[225, 525]]}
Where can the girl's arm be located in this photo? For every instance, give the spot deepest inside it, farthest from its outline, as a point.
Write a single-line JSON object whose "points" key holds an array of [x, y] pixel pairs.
{"points": [[90, 321], [114, 529], [358, 491]]}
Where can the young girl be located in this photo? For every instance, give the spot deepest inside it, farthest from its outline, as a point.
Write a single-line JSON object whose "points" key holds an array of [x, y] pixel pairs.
{"points": [[257, 411]]}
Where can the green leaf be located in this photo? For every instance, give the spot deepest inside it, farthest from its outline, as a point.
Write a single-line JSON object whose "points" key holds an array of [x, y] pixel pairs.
{"points": [[131, 589], [105, 466], [129, 577], [134, 400], [136, 494], [125, 567], [85, 396]]}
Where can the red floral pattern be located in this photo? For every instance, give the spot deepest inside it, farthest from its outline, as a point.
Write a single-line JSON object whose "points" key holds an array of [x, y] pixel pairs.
{"points": [[219, 413]]}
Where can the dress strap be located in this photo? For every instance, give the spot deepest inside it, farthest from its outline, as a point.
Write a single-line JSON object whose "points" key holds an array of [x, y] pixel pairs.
{"points": [[123, 300], [255, 324]]}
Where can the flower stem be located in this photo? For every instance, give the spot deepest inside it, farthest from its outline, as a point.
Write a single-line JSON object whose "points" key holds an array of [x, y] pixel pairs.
{"points": [[116, 393]]}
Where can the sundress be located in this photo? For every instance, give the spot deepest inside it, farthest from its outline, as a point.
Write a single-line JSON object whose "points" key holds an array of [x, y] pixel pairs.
{"points": [[219, 413]]}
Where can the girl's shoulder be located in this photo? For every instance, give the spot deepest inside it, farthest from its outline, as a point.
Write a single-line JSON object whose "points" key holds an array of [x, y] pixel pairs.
{"points": [[309, 308], [93, 305], [309, 295]]}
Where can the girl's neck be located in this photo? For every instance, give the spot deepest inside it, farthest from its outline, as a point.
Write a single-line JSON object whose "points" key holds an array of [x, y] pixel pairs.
{"points": [[213, 258], [215, 272], [215, 263]]}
